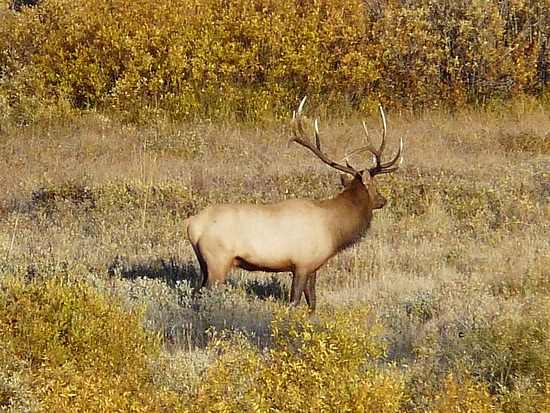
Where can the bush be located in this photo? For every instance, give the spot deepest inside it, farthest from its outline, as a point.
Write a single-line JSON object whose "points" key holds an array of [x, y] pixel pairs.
{"points": [[254, 58], [331, 362], [489, 359], [464, 396], [66, 348]]}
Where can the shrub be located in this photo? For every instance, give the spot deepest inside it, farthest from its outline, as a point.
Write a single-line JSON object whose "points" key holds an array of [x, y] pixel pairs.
{"points": [[331, 362], [493, 359], [464, 396], [66, 348], [511, 356], [251, 59]]}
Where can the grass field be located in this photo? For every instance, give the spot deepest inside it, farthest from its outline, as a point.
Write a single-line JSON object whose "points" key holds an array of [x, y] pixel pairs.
{"points": [[442, 307]]}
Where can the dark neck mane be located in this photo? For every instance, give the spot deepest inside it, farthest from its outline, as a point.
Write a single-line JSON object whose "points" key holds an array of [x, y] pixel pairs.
{"points": [[349, 215]]}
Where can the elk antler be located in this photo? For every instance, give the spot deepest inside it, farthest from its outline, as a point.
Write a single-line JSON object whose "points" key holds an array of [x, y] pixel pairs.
{"points": [[378, 168], [300, 138]]}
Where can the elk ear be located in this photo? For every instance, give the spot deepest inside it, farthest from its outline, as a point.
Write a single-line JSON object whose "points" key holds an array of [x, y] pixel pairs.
{"points": [[346, 180]]}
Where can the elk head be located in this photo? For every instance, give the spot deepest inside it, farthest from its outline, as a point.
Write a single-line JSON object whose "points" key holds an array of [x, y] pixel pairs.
{"points": [[362, 180]]}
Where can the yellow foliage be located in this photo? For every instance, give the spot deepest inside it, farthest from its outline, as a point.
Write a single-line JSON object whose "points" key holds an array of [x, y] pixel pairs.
{"points": [[465, 397], [80, 352], [250, 59], [330, 362]]}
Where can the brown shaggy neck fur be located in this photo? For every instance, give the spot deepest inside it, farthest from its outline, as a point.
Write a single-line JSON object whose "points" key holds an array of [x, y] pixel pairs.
{"points": [[350, 215]]}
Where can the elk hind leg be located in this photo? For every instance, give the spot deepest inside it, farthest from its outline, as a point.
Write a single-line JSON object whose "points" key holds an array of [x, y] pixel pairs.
{"points": [[203, 277], [219, 263]]}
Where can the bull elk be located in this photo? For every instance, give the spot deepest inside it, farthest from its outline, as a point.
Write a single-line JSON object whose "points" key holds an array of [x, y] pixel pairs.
{"points": [[295, 235]]}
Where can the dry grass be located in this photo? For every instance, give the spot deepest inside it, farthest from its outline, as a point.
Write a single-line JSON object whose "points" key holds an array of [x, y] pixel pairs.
{"points": [[459, 256]]}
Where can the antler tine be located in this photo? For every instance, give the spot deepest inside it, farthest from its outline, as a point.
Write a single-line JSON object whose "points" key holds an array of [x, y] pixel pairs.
{"points": [[317, 139], [297, 115], [370, 147], [389, 166], [384, 131], [379, 167], [396, 158], [298, 129]]}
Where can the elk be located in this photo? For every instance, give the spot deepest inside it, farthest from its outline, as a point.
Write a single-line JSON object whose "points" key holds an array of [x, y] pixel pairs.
{"points": [[295, 235]]}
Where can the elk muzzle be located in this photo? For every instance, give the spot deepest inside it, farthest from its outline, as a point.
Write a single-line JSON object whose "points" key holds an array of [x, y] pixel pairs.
{"points": [[379, 201]]}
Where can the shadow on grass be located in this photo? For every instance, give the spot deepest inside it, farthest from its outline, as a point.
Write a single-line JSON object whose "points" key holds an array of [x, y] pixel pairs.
{"points": [[171, 272], [270, 288]]}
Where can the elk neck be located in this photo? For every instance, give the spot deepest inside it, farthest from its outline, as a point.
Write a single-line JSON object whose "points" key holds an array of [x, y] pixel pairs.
{"points": [[349, 214]]}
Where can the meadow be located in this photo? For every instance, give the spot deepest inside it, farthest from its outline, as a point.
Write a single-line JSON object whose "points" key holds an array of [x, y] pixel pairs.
{"points": [[120, 119], [442, 307]]}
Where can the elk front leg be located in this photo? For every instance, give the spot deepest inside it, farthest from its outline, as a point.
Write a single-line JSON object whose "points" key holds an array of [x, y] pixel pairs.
{"points": [[309, 291], [299, 281], [303, 282]]}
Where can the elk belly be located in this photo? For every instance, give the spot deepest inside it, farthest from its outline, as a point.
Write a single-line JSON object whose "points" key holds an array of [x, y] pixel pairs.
{"points": [[281, 266], [261, 251]]}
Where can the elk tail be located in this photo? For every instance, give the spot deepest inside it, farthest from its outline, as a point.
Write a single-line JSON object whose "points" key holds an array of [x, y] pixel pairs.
{"points": [[186, 223]]}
